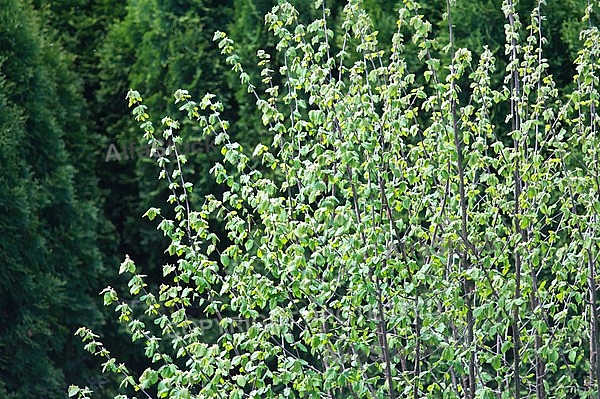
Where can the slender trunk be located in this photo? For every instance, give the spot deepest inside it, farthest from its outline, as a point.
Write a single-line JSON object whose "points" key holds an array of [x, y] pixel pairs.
{"points": [[467, 285], [594, 345], [470, 292], [515, 328], [417, 351], [517, 296], [539, 362], [516, 125], [384, 340]]}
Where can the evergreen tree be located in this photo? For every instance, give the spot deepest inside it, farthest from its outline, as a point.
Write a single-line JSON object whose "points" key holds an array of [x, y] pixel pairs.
{"points": [[158, 44], [49, 219]]}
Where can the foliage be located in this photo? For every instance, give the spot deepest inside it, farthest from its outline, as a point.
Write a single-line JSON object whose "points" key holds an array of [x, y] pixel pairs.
{"points": [[400, 245], [49, 217], [156, 45]]}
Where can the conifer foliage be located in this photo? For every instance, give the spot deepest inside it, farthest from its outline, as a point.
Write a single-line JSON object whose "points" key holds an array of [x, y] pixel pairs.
{"points": [[48, 212]]}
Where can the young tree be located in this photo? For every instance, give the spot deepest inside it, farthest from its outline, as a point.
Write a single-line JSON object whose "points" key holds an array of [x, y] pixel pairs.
{"points": [[392, 240]]}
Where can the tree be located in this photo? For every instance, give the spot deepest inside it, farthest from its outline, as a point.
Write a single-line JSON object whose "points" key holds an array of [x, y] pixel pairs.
{"points": [[156, 45], [401, 246], [49, 215]]}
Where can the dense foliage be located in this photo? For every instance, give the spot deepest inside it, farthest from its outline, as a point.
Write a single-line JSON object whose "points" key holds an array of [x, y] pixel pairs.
{"points": [[352, 174], [49, 217], [417, 229]]}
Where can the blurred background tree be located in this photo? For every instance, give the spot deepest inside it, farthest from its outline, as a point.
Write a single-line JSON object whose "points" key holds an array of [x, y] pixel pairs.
{"points": [[51, 219]]}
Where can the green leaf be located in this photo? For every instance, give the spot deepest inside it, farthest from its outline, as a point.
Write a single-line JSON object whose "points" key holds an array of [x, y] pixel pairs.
{"points": [[110, 295], [151, 213], [127, 266], [73, 390], [496, 363]]}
